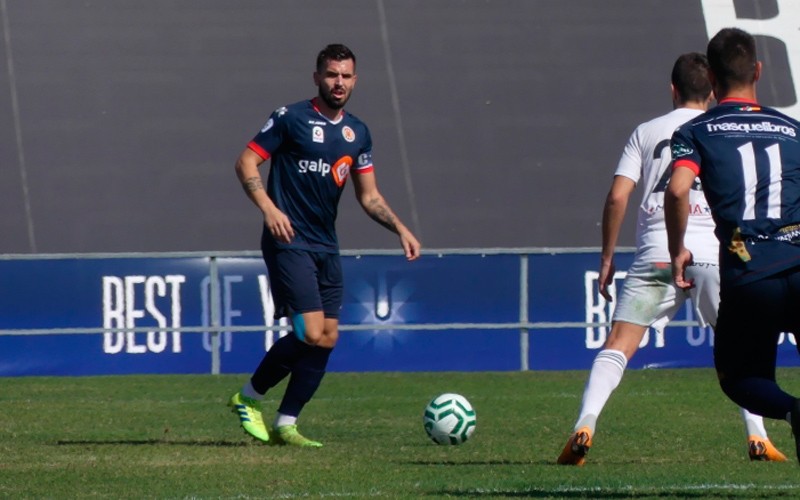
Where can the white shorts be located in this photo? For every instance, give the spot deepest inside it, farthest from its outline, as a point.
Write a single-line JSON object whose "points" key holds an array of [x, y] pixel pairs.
{"points": [[649, 297]]}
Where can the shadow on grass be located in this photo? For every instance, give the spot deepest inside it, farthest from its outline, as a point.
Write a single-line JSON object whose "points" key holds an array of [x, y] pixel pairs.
{"points": [[609, 493], [473, 462], [153, 442]]}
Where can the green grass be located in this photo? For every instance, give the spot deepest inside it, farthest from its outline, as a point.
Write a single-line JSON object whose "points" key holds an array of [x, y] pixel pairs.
{"points": [[664, 434]]}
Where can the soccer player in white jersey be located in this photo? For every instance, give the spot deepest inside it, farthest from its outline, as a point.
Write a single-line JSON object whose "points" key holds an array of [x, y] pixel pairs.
{"points": [[649, 298]]}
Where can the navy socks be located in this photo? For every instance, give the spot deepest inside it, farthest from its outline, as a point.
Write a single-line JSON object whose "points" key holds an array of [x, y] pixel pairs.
{"points": [[278, 362], [761, 396], [306, 377]]}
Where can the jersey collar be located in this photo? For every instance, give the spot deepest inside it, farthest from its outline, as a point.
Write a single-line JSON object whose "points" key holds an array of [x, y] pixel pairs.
{"points": [[316, 108], [737, 100]]}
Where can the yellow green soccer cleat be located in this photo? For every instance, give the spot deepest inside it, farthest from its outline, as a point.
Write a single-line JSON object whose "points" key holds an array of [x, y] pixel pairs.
{"points": [[288, 435], [249, 416]]}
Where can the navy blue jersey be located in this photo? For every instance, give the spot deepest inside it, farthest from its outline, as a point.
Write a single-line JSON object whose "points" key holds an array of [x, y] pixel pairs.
{"points": [[748, 160], [311, 158]]}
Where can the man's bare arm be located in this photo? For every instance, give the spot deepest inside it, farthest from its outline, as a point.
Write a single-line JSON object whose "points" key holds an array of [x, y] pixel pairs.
{"points": [[248, 173], [676, 214], [376, 207]]}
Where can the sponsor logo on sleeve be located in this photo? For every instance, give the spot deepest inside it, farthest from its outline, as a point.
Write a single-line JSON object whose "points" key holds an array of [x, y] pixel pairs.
{"points": [[680, 150], [278, 113]]}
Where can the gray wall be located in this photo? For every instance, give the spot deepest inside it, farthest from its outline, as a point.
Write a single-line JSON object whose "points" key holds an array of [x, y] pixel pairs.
{"points": [[495, 123]]}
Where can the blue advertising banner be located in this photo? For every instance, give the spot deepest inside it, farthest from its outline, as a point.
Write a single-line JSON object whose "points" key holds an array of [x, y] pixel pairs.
{"points": [[445, 312], [119, 294], [386, 291], [564, 288]]}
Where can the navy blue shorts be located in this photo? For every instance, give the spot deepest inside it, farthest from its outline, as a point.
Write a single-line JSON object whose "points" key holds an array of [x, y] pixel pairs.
{"points": [[303, 281], [751, 318]]}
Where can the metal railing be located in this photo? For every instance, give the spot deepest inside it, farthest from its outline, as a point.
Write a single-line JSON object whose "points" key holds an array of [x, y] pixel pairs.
{"points": [[215, 328]]}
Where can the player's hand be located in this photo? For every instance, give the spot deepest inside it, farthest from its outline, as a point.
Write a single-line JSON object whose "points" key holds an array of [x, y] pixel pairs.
{"points": [[411, 247], [680, 262], [279, 226], [606, 278]]}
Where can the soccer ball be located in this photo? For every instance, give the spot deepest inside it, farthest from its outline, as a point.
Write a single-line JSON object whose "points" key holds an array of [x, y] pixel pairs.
{"points": [[449, 419]]}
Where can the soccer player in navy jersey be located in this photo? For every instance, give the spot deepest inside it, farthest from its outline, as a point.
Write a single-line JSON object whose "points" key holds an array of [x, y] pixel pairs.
{"points": [[313, 146], [747, 157]]}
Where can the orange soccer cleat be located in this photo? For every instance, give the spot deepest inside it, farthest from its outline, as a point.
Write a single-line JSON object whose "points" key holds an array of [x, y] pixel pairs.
{"points": [[763, 450], [577, 447]]}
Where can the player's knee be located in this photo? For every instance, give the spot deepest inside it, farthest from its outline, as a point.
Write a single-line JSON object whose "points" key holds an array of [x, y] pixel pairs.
{"points": [[329, 338], [625, 337], [309, 333]]}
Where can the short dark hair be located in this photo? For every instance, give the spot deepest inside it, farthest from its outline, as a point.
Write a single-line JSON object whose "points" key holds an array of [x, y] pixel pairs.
{"points": [[334, 52], [732, 57], [690, 77]]}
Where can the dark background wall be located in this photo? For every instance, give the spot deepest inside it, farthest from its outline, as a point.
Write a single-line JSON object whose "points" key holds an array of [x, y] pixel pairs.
{"points": [[496, 123]]}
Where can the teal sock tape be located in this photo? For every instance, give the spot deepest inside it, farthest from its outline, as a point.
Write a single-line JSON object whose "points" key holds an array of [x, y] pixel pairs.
{"points": [[299, 325]]}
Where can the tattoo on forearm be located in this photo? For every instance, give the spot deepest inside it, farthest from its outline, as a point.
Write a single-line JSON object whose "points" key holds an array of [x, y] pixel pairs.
{"points": [[252, 184], [380, 213]]}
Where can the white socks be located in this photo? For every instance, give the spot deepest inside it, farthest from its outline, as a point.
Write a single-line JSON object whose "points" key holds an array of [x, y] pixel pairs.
{"points": [[754, 424], [606, 374], [281, 420], [607, 370]]}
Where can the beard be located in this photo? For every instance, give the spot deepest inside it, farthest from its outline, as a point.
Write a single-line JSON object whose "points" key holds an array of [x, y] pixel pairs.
{"points": [[331, 101]]}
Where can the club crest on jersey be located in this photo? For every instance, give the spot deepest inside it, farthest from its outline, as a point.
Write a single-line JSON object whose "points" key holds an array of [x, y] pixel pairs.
{"points": [[317, 134], [341, 169], [348, 134]]}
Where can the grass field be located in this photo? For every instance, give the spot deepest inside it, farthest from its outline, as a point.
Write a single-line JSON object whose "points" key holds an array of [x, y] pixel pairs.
{"points": [[665, 434]]}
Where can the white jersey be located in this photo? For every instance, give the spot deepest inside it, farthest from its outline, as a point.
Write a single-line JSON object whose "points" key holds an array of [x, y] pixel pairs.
{"points": [[647, 155]]}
